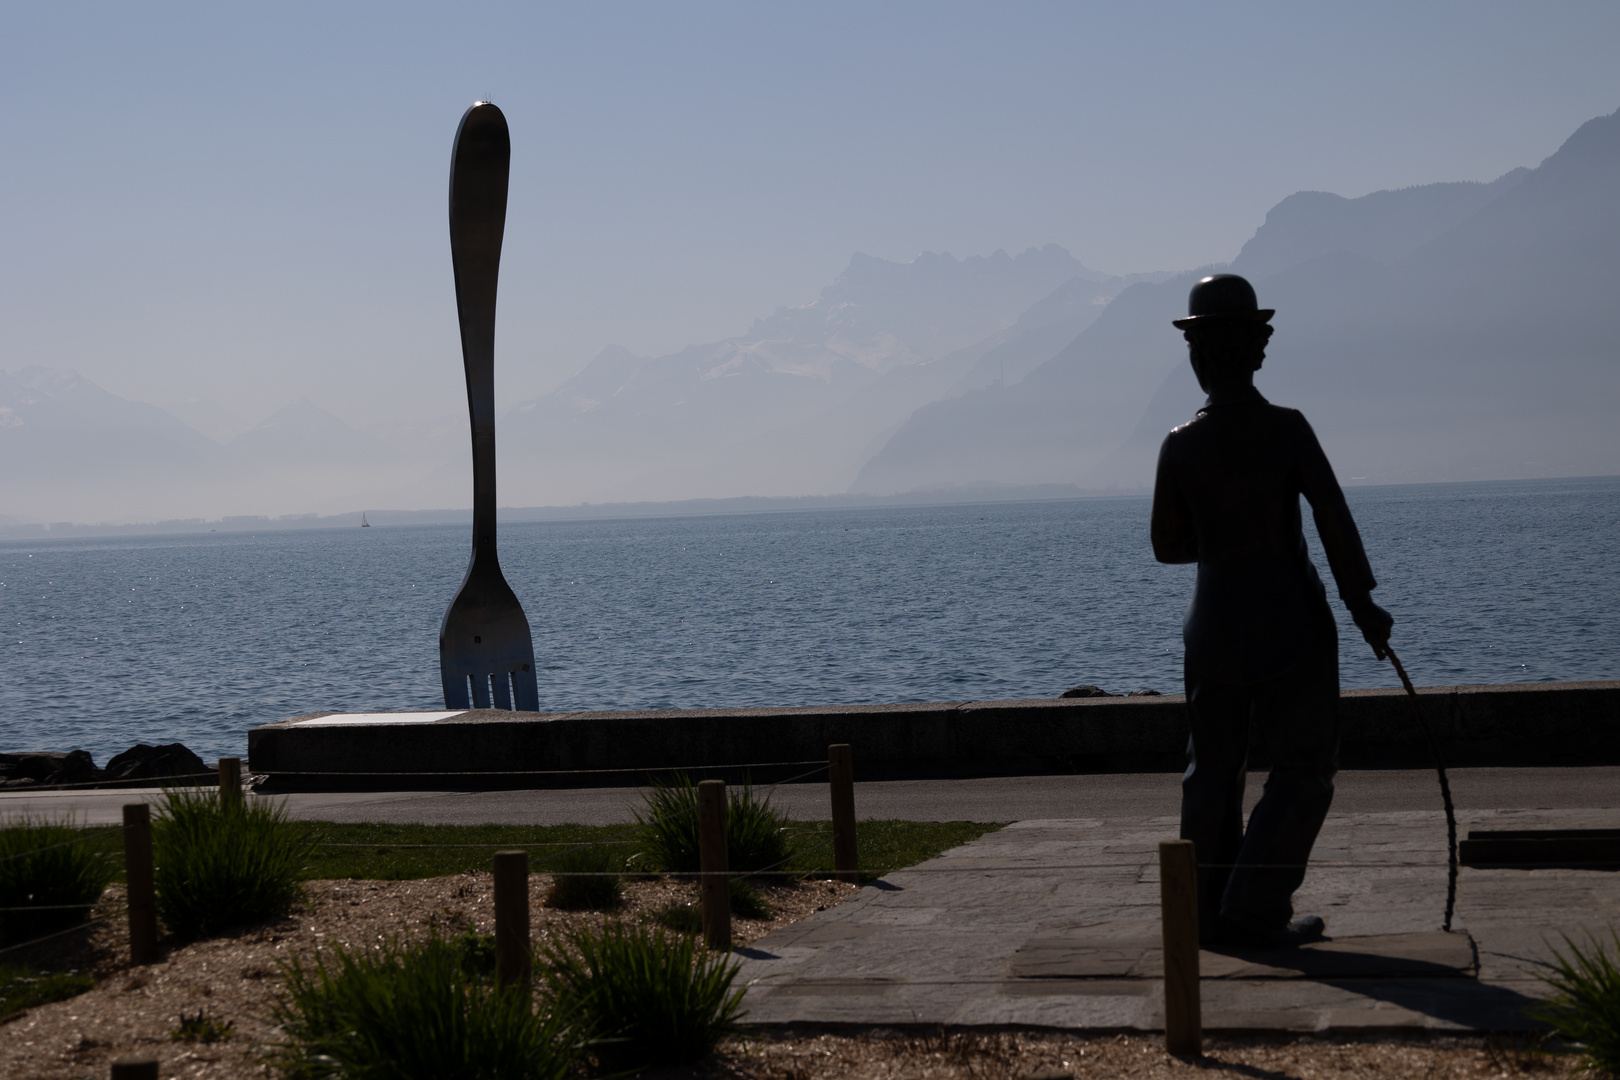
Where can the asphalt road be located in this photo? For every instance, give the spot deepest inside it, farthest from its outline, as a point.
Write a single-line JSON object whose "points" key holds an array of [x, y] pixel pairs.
{"points": [[1019, 798]]}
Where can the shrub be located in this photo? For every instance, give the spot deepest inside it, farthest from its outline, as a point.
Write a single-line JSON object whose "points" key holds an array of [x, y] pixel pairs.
{"points": [[44, 864], [415, 1011], [686, 917], [747, 902], [477, 953], [642, 996], [756, 833], [585, 879], [218, 865], [1585, 1006], [683, 918]]}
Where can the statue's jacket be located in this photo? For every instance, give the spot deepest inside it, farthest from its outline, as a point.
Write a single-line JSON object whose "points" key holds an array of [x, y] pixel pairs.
{"points": [[1227, 497]]}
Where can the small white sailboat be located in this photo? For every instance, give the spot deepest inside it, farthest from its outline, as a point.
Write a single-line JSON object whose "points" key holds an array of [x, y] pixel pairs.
{"points": [[364, 524]]}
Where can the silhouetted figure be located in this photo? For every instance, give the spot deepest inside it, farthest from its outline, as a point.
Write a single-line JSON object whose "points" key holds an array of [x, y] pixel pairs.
{"points": [[1261, 645]]}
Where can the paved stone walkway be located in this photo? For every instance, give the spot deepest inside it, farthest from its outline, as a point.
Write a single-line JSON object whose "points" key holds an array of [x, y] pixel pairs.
{"points": [[978, 935], [1054, 922]]}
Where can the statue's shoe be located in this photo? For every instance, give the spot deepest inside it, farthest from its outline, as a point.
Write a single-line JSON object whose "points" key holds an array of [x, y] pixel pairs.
{"points": [[1241, 931]]}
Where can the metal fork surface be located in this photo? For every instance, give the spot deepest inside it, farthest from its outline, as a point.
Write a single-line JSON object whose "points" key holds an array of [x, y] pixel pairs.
{"points": [[486, 652]]}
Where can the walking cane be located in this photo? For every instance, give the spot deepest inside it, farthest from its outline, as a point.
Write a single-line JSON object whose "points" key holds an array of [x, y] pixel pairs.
{"points": [[1445, 788]]}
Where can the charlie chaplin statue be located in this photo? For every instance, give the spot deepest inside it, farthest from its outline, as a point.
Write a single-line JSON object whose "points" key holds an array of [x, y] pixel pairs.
{"points": [[1261, 645]]}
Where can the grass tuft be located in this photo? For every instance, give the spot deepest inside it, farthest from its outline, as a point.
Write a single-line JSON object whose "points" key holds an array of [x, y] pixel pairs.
{"points": [[642, 996], [220, 865], [48, 865], [200, 1027], [747, 902], [686, 916], [1585, 1005], [756, 833], [413, 1013], [477, 952], [585, 879], [683, 917]]}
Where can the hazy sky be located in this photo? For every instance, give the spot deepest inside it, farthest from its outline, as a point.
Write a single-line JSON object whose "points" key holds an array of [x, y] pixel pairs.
{"points": [[247, 202]]}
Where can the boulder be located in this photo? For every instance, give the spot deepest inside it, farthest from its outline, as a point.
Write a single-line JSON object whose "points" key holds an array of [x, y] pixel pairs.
{"points": [[143, 762], [1144, 693], [1087, 691], [48, 767]]}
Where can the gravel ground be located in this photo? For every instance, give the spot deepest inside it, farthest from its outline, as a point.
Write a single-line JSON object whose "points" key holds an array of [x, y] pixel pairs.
{"points": [[232, 980], [957, 1055]]}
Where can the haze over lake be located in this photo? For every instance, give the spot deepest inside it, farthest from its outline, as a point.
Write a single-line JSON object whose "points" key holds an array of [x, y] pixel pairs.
{"points": [[1451, 331]]}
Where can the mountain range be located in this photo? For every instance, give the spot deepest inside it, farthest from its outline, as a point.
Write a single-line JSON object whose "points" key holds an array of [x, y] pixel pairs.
{"points": [[68, 444], [1443, 332], [799, 402]]}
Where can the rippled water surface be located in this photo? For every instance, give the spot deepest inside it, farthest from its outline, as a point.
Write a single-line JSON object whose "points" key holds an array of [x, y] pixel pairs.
{"points": [[197, 638]]}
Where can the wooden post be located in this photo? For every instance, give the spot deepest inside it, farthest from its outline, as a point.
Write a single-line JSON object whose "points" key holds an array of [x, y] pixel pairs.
{"points": [[1178, 902], [138, 876], [135, 1068], [230, 781], [512, 918], [841, 774], [716, 888]]}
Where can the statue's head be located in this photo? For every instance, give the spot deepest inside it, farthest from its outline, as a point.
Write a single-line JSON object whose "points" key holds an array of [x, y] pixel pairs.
{"points": [[1226, 329]]}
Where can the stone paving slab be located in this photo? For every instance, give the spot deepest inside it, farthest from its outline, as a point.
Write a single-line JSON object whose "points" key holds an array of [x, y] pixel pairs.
{"points": [[942, 943], [1133, 951]]}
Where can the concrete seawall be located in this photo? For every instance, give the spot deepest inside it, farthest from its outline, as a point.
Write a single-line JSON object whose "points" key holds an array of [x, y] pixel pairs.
{"points": [[1565, 723]]}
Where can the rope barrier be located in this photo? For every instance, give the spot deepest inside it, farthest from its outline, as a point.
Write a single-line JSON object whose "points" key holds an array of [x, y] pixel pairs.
{"points": [[823, 767], [688, 812], [827, 843], [495, 773], [81, 838], [514, 844], [1146, 863], [163, 781], [60, 933], [110, 785]]}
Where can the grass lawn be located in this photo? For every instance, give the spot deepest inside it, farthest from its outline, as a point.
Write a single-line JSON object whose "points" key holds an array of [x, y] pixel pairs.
{"points": [[403, 852], [398, 852], [22, 988]]}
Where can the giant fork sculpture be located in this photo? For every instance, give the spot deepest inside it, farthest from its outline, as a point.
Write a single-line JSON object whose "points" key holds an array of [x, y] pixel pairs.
{"points": [[486, 654]]}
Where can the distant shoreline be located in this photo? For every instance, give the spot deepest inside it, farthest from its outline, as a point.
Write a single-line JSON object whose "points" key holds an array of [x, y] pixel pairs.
{"points": [[743, 504]]}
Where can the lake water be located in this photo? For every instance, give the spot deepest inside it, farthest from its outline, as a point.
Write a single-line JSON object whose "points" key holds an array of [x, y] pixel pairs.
{"points": [[197, 638]]}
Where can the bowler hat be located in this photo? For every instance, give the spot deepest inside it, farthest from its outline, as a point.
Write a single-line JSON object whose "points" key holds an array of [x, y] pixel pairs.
{"points": [[1222, 296]]}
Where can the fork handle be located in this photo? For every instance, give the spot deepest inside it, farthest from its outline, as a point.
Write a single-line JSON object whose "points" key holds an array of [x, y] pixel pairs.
{"points": [[479, 165]]}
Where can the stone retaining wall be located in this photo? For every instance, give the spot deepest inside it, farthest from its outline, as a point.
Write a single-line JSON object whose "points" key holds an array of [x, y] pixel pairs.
{"points": [[1519, 724]]}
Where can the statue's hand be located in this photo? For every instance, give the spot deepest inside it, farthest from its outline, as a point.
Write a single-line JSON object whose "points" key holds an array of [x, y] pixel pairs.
{"points": [[1375, 624]]}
